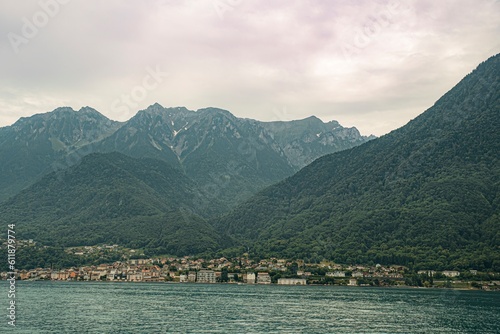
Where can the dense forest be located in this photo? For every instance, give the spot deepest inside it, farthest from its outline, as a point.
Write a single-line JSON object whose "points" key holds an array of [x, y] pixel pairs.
{"points": [[426, 195], [113, 198]]}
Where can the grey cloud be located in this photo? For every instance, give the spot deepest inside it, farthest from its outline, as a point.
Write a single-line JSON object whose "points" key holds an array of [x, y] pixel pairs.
{"points": [[262, 56]]}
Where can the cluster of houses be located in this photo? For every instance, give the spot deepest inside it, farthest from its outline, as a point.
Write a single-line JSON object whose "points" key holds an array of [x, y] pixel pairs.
{"points": [[192, 270], [238, 270], [144, 273]]}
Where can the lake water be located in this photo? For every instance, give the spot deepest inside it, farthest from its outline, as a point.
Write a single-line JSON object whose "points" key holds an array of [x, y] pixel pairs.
{"points": [[84, 307]]}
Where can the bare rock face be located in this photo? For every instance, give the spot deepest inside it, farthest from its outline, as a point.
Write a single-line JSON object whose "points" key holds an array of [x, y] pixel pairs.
{"points": [[304, 141], [231, 157]]}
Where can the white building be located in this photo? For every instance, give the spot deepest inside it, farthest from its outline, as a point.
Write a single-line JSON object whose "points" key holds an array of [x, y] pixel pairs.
{"points": [[426, 272], [250, 278], [336, 274], [263, 278], [192, 276], [134, 277], [112, 275], [292, 281], [451, 273], [358, 274], [205, 276]]}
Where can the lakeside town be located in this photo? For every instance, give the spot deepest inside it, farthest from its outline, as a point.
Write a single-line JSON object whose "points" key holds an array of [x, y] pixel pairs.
{"points": [[243, 270]]}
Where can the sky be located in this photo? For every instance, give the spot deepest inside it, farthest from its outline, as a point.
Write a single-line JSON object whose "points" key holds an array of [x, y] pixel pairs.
{"points": [[371, 64]]}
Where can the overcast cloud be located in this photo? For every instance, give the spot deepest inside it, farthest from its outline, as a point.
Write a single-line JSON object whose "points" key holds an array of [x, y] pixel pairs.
{"points": [[370, 64]]}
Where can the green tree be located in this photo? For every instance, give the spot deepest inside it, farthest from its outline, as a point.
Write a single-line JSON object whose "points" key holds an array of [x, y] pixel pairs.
{"points": [[224, 277]]}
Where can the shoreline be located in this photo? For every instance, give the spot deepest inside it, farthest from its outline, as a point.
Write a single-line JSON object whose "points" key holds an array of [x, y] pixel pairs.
{"points": [[272, 284]]}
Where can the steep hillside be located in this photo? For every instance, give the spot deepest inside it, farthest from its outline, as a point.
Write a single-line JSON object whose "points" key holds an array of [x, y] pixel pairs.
{"points": [[303, 141], [426, 195], [37, 145], [148, 134], [113, 198]]}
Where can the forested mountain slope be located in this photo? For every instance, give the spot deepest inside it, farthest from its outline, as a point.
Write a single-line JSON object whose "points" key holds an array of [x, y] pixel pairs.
{"points": [[112, 198], [427, 194]]}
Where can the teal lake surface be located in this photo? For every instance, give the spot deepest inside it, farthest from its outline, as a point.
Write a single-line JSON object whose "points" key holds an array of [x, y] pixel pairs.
{"points": [[86, 307]]}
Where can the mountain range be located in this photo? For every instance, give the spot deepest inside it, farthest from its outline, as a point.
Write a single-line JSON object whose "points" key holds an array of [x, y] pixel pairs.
{"points": [[151, 182], [181, 182], [230, 157]]}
